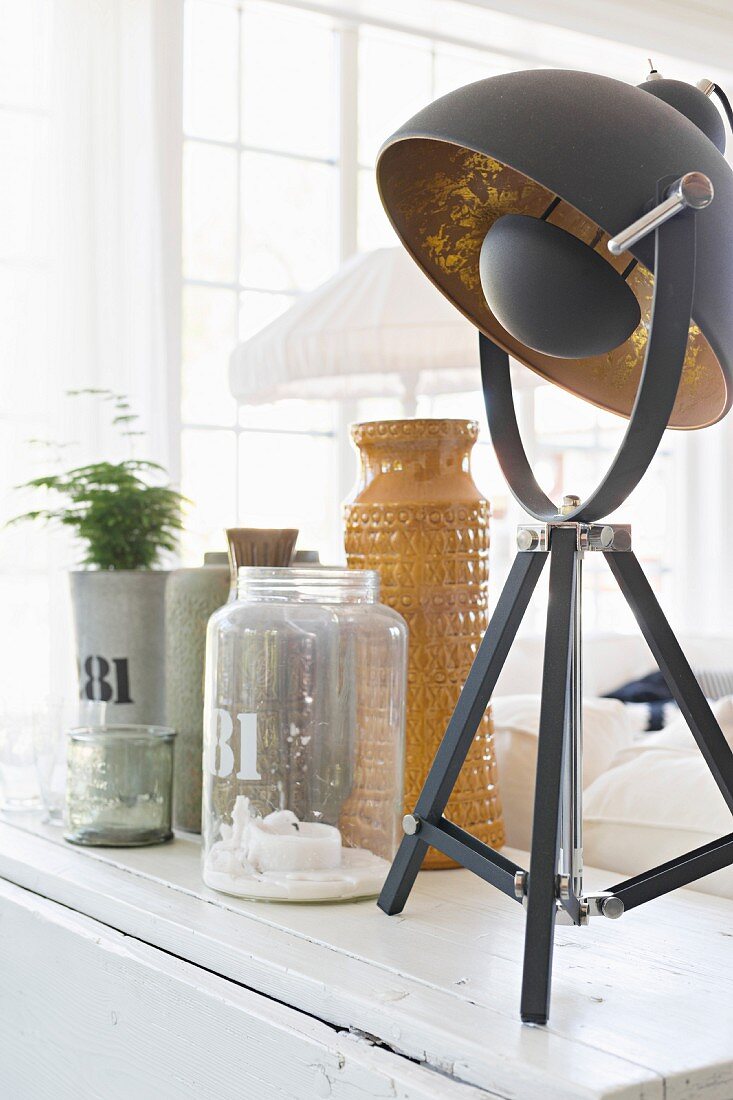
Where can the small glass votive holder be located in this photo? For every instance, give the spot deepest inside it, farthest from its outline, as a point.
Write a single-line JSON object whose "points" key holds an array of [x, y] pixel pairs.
{"points": [[119, 785]]}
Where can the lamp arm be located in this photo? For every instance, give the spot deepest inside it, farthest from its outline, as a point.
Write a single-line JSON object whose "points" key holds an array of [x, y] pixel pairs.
{"points": [[674, 279], [504, 431], [694, 190]]}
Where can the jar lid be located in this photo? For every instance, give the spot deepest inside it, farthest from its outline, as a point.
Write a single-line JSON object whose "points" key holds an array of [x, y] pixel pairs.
{"points": [[328, 583]]}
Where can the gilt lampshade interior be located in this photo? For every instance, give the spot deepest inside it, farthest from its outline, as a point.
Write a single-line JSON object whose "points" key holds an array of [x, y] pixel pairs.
{"points": [[516, 143]]}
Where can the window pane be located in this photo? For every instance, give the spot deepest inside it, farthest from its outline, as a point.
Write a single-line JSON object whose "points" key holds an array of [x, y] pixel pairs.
{"points": [[210, 70], [558, 412], [290, 415], [290, 222], [30, 388], [455, 67], [257, 309], [465, 405], [209, 335], [25, 547], [290, 481], [379, 408], [25, 602], [375, 230], [208, 479], [209, 212], [289, 82], [395, 81]]}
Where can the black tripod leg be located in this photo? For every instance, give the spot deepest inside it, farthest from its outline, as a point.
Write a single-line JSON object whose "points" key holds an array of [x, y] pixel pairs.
{"points": [[541, 908], [675, 669], [464, 722]]}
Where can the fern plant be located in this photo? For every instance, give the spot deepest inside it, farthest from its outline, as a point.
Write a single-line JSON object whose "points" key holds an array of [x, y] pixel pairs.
{"points": [[123, 518]]}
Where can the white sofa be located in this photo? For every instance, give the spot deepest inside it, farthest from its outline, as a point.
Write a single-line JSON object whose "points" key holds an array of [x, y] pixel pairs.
{"points": [[609, 660], [647, 797]]}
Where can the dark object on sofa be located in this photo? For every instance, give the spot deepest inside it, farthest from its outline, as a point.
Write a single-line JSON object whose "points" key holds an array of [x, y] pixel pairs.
{"points": [[651, 690]]}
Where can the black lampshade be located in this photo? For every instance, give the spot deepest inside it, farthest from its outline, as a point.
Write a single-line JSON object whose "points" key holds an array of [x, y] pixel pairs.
{"points": [[590, 150]]}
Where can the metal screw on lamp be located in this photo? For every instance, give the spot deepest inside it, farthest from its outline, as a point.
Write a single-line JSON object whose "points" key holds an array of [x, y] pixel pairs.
{"points": [[585, 227]]}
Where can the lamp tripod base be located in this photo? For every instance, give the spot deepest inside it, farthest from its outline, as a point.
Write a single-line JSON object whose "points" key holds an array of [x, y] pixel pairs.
{"points": [[552, 890]]}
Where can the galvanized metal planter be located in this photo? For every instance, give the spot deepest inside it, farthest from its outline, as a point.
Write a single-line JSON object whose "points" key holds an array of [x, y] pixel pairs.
{"points": [[120, 641]]}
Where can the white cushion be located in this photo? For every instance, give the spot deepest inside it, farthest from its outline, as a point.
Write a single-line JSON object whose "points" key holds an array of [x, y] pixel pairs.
{"points": [[676, 736], [659, 804], [608, 729]]}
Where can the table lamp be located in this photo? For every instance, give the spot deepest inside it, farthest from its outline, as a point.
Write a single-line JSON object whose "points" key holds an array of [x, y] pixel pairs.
{"points": [[585, 227]]}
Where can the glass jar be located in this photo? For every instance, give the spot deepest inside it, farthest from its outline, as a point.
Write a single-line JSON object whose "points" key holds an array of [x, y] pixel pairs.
{"points": [[304, 716], [119, 785]]}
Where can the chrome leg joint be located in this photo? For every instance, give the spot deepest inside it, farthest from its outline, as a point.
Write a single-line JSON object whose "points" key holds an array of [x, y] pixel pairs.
{"points": [[604, 904], [602, 537]]}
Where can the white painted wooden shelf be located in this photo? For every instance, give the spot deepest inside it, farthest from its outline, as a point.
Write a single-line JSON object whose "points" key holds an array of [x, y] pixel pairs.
{"points": [[124, 977]]}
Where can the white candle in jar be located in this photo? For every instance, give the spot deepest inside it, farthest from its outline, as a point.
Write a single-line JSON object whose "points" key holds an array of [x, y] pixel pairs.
{"points": [[279, 842], [280, 857], [300, 846]]}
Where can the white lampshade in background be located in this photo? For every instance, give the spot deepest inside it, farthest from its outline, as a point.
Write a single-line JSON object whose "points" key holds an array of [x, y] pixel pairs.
{"points": [[377, 328]]}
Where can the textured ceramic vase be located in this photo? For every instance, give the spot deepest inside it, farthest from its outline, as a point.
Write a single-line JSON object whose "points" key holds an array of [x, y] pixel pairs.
{"points": [[119, 616], [192, 597], [418, 518]]}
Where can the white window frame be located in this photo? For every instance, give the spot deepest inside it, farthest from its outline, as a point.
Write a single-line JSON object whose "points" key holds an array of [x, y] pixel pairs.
{"points": [[347, 29]]}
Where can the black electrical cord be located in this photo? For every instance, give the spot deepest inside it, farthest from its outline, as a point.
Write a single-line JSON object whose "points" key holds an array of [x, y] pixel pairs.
{"points": [[726, 103]]}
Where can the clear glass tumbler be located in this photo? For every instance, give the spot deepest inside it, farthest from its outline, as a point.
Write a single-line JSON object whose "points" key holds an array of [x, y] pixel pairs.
{"points": [[18, 781], [50, 729], [303, 736], [119, 785]]}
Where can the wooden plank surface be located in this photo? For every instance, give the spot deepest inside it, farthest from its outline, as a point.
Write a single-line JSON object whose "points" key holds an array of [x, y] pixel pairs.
{"points": [[86, 1012], [642, 1007]]}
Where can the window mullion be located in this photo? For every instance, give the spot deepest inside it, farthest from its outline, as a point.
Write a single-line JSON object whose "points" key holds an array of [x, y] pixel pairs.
{"points": [[348, 36]]}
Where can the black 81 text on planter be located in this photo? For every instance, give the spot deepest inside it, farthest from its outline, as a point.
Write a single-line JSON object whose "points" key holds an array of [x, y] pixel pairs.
{"points": [[106, 681]]}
